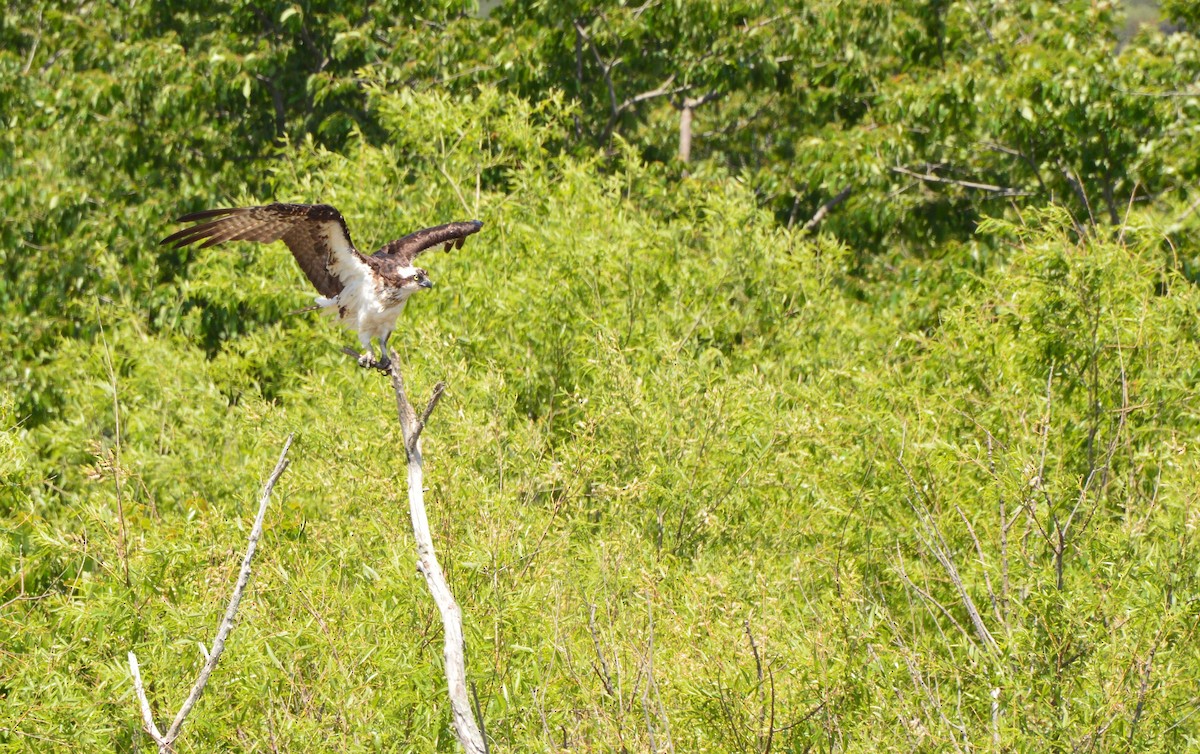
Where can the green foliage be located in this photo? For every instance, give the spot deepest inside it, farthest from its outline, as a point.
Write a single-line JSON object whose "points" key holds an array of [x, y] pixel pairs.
{"points": [[701, 481]]}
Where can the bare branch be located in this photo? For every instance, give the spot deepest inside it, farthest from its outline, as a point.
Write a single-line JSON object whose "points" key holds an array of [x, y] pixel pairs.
{"points": [[438, 390], [1003, 534], [602, 671], [454, 185], [218, 645], [165, 741], [987, 580], [663, 90], [1072, 179], [929, 598], [686, 108], [1191, 208], [466, 728], [1166, 94], [820, 214], [771, 721], [685, 135], [606, 71], [382, 366], [37, 39], [116, 465], [277, 102], [934, 540], [144, 703], [930, 178], [762, 707], [1141, 702], [692, 103]]}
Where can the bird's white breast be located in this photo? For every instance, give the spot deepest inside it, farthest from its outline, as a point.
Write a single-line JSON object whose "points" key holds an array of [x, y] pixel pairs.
{"points": [[359, 306]]}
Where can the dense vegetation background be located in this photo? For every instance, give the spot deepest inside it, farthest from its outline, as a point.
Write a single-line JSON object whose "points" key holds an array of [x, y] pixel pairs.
{"points": [[823, 379]]}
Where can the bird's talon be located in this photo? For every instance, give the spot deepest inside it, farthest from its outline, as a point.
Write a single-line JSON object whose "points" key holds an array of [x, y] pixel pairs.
{"points": [[366, 360]]}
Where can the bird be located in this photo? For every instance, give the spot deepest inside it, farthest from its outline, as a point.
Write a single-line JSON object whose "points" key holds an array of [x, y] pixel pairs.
{"points": [[364, 293]]}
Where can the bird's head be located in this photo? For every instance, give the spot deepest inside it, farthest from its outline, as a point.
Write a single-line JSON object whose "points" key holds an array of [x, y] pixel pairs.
{"points": [[418, 280]]}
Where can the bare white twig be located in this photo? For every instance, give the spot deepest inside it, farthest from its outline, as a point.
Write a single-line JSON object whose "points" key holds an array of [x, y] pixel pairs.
{"points": [[147, 715], [820, 214], [465, 726], [165, 741]]}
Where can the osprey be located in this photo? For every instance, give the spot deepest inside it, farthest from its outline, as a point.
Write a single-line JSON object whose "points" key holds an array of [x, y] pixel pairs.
{"points": [[366, 294]]}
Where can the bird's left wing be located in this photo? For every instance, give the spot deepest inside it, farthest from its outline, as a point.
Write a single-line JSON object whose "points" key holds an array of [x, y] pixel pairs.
{"points": [[403, 251], [316, 234]]}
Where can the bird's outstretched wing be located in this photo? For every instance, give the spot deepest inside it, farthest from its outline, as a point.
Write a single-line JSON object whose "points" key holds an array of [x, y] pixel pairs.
{"points": [[403, 251], [315, 233]]}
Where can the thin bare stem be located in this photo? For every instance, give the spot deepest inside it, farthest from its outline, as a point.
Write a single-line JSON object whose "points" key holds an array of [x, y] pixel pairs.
{"points": [[934, 540], [602, 671], [116, 466], [454, 185], [33, 47], [930, 178], [1003, 532], [438, 390]]}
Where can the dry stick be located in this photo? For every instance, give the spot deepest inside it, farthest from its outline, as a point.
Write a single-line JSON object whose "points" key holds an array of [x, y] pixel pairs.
{"points": [[652, 684], [929, 599], [762, 706], [1003, 534], [733, 726], [934, 540], [454, 185], [606, 71], [465, 726], [144, 703], [602, 671], [820, 214], [987, 580], [1141, 703], [771, 721], [1076, 185], [930, 178], [165, 741], [33, 47], [1191, 208], [1037, 482]]}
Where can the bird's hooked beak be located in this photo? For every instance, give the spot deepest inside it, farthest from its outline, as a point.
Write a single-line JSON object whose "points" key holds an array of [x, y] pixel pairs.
{"points": [[426, 283]]}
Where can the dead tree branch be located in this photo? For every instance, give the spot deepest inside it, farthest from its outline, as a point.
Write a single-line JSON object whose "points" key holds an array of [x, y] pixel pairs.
{"points": [[167, 740], [820, 214], [931, 178], [931, 536], [466, 728]]}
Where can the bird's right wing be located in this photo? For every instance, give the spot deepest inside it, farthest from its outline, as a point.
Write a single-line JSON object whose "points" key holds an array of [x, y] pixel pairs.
{"points": [[316, 234], [403, 251]]}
